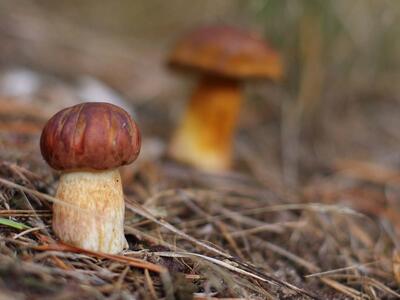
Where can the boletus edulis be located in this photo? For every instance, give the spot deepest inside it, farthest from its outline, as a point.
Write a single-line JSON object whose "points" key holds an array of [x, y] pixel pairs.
{"points": [[224, 57], [88, 142]]}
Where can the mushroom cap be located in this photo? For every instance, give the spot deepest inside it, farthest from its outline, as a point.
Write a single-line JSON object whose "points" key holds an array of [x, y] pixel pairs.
{"points": [[227, 51], [94, 136]]}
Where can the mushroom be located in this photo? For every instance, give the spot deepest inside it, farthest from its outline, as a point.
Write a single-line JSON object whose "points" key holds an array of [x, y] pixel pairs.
{"points": [[88, 142], [224, 57]]}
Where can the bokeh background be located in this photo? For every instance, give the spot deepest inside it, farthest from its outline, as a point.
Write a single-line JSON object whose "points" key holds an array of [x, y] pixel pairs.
{"points": [[339, 98]]}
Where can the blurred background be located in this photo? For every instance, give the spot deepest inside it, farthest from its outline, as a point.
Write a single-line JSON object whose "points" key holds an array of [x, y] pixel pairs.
{"points": [[339, 100]]}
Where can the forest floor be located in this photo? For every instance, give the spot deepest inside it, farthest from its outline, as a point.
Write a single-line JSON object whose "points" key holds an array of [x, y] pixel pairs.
{"points": [[331, 233]]}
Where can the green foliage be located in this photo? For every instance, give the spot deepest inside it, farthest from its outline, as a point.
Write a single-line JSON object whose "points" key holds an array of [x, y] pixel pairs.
{"points": [[360, 39], [13, 224]]}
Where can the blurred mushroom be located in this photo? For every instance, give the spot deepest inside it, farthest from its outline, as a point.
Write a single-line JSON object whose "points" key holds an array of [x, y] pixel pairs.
{"points": [[88, 142], [224, 57]]}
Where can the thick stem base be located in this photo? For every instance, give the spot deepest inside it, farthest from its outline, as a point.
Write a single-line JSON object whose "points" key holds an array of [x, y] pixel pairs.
{"points": [[204, 139], [99, 225]]}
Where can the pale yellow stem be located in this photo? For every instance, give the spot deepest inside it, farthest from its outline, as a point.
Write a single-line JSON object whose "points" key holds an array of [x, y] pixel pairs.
{"points": [[99, 226]]}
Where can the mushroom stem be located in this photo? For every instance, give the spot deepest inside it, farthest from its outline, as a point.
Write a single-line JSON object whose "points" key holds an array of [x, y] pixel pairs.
{"points": [[205, 136], [99, 225]]}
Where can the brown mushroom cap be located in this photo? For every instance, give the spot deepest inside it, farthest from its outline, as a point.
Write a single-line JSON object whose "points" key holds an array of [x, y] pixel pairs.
{"points": [[97, 136], [228, 52]]}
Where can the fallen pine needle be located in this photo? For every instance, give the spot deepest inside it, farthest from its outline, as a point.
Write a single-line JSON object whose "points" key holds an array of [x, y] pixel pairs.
{"points": [[49, 198], [319, 274], [134, 262]]}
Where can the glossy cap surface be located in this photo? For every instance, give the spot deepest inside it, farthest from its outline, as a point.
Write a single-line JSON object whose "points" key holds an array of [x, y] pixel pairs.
{"points": [[94, 136], [227, 51]]}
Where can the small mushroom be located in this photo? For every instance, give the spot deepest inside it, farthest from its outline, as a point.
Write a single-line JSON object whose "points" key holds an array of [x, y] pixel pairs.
{"points": [[224, 57], [88, 142]]}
